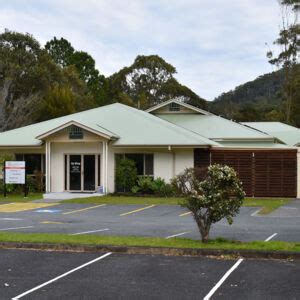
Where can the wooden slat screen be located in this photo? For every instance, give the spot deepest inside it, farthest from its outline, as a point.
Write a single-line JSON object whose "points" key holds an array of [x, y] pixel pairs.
{"points": [[263, 173]]}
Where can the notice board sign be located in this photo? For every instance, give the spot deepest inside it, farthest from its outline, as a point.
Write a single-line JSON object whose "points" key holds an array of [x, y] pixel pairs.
{"points": [[14, 172]]}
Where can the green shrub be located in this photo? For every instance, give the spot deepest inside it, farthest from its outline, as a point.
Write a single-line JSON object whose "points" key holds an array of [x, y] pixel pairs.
{"points": [[144, 185], [126, 175], [161, 188], [148, 185], [9, 187]]}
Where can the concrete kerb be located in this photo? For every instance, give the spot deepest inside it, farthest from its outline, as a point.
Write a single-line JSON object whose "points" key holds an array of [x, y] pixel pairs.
{"points": [[168, 251]]}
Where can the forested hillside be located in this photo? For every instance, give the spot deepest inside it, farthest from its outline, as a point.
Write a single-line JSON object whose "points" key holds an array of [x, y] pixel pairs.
{"points": [[260, 100], [255, 100]]}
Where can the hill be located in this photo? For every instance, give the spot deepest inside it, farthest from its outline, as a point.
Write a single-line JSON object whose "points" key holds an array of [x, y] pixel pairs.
{"points": [[257, 100]]}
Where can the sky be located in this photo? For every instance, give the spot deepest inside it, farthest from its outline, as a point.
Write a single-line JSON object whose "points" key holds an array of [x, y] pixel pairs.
{"points": [[215, 45]]}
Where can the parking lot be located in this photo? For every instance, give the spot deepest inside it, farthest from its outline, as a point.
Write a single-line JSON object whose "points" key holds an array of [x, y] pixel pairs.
{"points": [[28, 274], [152, 221], [31, 274]]}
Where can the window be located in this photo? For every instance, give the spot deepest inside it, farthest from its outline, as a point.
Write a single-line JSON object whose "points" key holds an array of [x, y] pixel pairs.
{"points": [[34, 162], [174, 106], [143, 162], [75, 132], [139, 162], [149, 164]]}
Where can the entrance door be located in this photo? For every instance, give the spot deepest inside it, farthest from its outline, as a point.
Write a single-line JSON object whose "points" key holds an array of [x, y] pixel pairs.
{"points": [[80, 172], [89, 172], [75, 173]]}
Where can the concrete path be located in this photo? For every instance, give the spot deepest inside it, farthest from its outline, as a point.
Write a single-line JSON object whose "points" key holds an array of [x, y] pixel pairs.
{"points": [[57, 197]]}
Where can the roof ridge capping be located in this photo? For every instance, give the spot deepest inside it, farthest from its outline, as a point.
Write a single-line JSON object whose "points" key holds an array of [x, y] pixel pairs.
{"points": [[172, 126], [192, 107]]}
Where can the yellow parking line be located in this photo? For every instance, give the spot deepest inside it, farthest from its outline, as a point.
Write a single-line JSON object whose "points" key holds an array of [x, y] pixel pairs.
{"points": [[83, 209], [15, 207], [185, 214], [136, 210], [51, 222]]}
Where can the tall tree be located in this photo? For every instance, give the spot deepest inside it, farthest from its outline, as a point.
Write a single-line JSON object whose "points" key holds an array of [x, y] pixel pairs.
{"points": [[63, 53], [288, 58], [27, 74], [60, 50], [149, 81]]}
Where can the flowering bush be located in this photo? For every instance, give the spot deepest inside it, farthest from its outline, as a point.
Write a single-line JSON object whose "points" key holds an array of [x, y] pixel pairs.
{"points": [[220, 195]]}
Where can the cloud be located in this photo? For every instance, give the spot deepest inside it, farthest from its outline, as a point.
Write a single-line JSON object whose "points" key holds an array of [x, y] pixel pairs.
{"points": [[214, 44]]}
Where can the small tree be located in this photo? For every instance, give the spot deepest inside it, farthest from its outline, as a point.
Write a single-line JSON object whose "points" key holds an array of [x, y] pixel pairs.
{"points": [[218, 196], [126, 174]]}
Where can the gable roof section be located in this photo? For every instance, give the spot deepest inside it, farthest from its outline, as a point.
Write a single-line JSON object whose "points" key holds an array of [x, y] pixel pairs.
{"points": [[131, 127], [290, 135], [98, 130], [190, 107], [215, 127]]}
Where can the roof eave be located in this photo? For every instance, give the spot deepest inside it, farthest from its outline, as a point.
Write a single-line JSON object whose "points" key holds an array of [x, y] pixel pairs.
{"points": [[72, 122], [23, 146]]}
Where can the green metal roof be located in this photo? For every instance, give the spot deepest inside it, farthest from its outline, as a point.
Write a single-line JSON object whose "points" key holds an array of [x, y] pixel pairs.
{"points": [[288, 134], [215, 127], [130, 126], [254, 145]]}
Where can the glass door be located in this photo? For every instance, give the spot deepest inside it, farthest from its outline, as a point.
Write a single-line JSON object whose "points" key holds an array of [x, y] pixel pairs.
{"points": [[89, 173], [75, 173]]}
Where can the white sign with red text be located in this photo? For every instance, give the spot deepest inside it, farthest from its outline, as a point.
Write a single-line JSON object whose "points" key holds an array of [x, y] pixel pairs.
{"points": [[15, 172]]}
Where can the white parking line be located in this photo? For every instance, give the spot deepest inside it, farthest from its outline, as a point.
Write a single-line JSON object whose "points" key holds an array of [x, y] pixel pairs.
{"points": [[226, 275], [91, 231], [255, 213], [60, 276], [270, 237], [11, 219], [178, 234], [13, 228], [213, 290]]}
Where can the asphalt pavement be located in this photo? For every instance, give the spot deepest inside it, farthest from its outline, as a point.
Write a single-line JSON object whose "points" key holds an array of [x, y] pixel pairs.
{"points": [[27, 274], [152, 221]]}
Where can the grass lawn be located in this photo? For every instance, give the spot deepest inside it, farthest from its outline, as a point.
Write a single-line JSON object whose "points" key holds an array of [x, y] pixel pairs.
{"points": [[126, 200], [145, 241], [20, 197], [267, 204]]}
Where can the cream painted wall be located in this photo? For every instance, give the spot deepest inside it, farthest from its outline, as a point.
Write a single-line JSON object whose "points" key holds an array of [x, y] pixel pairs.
{"points": [[183, 159], [63, 136]]}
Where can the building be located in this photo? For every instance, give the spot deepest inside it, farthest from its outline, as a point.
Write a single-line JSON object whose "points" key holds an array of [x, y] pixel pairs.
{"points": [[288, 134], [77, 153]]}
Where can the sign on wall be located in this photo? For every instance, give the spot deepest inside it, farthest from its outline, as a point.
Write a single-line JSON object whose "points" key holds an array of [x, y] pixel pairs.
{"points": [[15, 172], [75, 167]]}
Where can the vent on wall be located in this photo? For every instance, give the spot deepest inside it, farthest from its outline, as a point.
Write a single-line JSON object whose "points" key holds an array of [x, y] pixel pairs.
{"points": [[174, 106], [75, 132]]}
